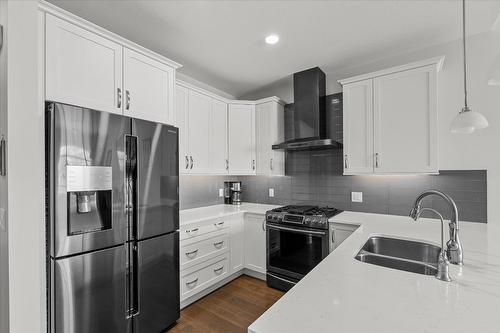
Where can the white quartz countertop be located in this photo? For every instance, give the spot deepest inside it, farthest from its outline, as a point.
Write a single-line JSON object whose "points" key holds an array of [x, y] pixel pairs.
{"points": [[342, 294], [193, 215]]}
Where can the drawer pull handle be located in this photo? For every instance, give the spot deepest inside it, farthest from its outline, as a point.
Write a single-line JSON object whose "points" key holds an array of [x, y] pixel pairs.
{"points": [[219, 244], [189, 232], [191, 284], [218, 270], [220, 224], [192, 254]]}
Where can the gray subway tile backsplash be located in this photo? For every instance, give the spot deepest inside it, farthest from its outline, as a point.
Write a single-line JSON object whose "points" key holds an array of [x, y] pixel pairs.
{"points": [[381, 194]]}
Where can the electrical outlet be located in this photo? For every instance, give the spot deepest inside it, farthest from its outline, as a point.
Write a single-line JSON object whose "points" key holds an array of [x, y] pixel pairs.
{"points": [[221, 192], [271, 192], [357, 196]]}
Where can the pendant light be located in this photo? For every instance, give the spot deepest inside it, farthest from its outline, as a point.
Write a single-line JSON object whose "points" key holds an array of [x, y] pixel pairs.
{"points": [[467, 121]]}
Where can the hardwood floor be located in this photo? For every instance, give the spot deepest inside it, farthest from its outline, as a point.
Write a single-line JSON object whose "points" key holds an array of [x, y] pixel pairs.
{"points": [[230, 309]]}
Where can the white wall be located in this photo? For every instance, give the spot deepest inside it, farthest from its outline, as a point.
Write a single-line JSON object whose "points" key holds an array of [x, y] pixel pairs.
{"points": [[26, 220], [477, 151]]}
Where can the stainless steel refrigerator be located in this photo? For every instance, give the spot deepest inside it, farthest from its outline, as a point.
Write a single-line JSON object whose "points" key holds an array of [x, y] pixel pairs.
{"points": [[112, 222]]}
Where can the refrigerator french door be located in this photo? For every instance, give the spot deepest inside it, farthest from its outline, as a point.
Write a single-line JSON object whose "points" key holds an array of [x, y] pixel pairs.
{"points": [[112, 221]]}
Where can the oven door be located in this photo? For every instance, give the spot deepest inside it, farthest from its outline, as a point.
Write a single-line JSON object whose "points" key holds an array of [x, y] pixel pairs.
{"points": [[294, 251]]}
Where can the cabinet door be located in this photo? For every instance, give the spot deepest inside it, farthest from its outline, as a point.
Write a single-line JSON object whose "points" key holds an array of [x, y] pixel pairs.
{"points": [[181, 117], [218, 138], [149, 88], [199, 110], [237, 244], [405, 121], [263, 134], [358, 128], [82, 68], [242, 139], [255, 243], [277, 121]]}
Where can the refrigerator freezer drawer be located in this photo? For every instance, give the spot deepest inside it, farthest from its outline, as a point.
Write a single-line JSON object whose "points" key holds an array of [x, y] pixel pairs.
{"points": [[195, 279], [88, 292], [196, 251]]}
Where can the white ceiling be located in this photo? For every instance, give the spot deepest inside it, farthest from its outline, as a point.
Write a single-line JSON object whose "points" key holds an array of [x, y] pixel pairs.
{"points": [[222, 44]]}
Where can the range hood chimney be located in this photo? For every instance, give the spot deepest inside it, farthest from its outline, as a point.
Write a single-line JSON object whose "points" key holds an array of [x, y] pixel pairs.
{"points": [[309, 113]]}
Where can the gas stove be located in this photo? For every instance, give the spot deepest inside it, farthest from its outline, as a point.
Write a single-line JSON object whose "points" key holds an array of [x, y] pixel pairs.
{"points": [[307, 216]]}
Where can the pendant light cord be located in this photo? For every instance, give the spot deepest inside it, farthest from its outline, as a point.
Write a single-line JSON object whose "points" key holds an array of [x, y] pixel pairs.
{"points": [[465, 54]]}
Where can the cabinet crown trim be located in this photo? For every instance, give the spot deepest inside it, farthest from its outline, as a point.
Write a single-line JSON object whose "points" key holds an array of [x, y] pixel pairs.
{"points": [[436, 61], [49, 8], [226, 100]]}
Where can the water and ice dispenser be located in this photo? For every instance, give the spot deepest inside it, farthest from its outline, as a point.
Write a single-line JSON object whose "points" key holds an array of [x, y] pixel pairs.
{"points": [[89, 193]]}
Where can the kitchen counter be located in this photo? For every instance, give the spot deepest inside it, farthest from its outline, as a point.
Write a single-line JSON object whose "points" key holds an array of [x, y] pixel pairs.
{"points": [[342, 294], [193, 215]]}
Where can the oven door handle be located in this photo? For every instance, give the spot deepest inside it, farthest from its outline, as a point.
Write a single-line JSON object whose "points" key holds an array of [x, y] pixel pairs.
{"points": [[300, 231], [280, 278]]}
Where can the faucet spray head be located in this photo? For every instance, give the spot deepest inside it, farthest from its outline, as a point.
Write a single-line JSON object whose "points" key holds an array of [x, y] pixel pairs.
{"points": [[415, 213]]}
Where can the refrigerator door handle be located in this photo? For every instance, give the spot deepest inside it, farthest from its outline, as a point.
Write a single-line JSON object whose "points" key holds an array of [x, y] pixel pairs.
{"points": [[128, 290]]}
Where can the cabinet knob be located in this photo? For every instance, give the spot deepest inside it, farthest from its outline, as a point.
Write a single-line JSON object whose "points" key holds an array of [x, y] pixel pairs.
{"points": [[253, 164], [271, 164]]}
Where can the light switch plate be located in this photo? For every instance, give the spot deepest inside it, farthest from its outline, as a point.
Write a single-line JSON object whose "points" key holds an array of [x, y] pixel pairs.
{"points": [[271, 192], [221, 192], [357, 196]]}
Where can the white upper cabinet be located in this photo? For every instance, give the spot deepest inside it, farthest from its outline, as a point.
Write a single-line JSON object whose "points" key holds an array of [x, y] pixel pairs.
{"points": [[93, 68], [269, 130], [242, 139], [390, 120], [181, 117], [219, 162], [82, 68], [148, 87], [199, 108], [405, 121], [202, 122], [358, 127]]}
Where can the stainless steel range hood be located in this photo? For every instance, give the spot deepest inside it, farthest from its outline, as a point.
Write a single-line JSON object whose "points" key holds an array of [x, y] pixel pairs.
{"points": [[309, 113]]}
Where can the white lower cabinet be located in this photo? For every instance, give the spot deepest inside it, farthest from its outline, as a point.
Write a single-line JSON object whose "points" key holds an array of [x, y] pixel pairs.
{"points": [[255, 243], [203, 275], [237, 245], [215, 249], [195, 251]]}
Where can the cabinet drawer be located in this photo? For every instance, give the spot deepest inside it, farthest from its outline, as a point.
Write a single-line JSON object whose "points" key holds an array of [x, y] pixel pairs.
{"points": [[204, 275], [193, 252], [203, 227]]}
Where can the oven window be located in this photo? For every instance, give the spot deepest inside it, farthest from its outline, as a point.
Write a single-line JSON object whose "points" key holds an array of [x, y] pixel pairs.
{"points": [[294, 252]]}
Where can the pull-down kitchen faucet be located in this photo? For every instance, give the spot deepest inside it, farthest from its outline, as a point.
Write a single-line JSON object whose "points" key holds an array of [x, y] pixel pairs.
{"points": [[454, 248]]}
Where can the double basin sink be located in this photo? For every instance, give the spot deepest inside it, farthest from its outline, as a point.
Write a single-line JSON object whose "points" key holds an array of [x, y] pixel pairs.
{"points": [[401, 254]]}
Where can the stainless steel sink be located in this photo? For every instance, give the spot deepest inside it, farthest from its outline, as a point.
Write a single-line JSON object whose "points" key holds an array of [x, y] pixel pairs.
{"points": [[405, 255]]}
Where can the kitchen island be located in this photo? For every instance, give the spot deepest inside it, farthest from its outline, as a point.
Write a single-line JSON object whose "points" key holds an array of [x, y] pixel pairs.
{"points": [[342, 294]]}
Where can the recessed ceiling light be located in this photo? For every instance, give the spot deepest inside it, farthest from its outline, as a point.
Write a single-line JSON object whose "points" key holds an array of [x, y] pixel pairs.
{"points": [[272, 39]]}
